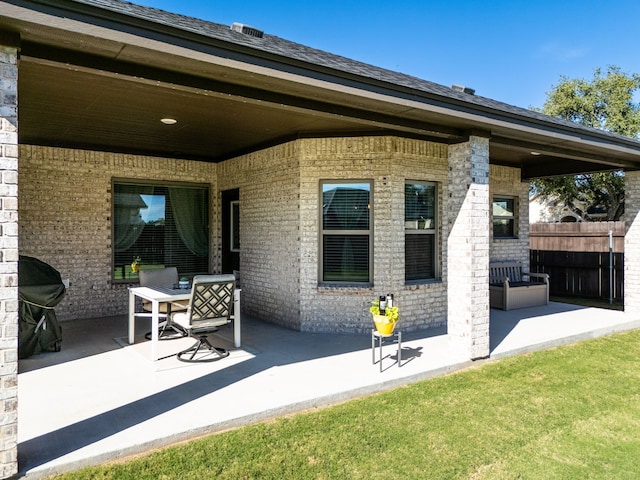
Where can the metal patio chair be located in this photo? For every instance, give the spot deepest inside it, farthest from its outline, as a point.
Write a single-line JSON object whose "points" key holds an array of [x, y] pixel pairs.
{"points": [[210, 307]]}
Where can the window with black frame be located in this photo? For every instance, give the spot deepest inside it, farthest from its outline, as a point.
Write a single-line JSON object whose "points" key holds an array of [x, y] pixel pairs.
{"points": [[156, 226], [346, 232], [504, 217], [420, 227]]}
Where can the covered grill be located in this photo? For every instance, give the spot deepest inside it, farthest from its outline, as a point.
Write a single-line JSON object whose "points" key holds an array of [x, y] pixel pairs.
{"points": [[40, 288]]}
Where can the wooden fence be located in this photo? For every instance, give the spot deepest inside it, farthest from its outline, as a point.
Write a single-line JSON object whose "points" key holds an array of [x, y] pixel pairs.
{"points": [[576, 257]]}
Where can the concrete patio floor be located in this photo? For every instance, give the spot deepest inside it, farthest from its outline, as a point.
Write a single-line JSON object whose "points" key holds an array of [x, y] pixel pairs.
{"points": [[99, 399]]}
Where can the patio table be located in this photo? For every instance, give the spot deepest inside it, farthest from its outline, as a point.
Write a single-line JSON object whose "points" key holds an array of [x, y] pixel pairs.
{"points": [[158, 295]]}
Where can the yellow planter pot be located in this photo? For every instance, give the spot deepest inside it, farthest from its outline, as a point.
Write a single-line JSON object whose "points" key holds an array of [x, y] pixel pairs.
{"points": [[383, 324]]}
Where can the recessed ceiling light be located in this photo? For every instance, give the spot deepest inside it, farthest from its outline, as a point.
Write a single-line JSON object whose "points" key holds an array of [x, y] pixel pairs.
{"points": [[536, 153], [169, 121]]}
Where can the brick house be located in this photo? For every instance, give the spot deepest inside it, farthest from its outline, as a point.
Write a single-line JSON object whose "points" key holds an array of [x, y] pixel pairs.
{"points": [[325, 181]]}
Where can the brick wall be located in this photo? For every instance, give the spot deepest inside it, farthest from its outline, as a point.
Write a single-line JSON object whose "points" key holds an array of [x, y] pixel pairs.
{"points": [[65, 207], [388, 162], [65, 217], [279, 221], [506, 181], [468, 249], [269, 183], [8, 261], [632, 244]]}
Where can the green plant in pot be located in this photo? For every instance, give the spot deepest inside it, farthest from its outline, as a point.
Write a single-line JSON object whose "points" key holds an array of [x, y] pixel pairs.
{"points": [[385, 323], [135, 265]]}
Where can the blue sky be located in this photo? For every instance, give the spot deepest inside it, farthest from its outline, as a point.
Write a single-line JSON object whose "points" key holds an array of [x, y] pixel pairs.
{"points": [[155, 208], [512, 51]]}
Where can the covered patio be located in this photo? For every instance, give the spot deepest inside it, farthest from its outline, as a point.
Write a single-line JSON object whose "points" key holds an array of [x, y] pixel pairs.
{"points": [[102, 95], [130, 404]]}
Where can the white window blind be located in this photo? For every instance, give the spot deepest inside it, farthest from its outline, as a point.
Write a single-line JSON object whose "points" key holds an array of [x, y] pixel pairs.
{"points": [[346, 232]]}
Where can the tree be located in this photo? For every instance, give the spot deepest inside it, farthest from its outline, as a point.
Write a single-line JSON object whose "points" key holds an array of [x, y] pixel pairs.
{"points": [[605, 102], [589, 196]]}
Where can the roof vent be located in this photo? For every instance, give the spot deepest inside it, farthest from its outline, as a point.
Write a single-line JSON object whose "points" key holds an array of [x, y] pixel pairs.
{"points": [[463, 89], [247, 30]]}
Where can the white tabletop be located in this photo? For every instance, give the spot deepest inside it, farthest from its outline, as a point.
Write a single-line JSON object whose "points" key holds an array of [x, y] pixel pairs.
{"points": [[157, 295], [162, 294]]}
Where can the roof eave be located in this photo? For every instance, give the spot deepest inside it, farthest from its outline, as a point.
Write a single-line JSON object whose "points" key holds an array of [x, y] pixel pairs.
{"points": [[281, 72]]}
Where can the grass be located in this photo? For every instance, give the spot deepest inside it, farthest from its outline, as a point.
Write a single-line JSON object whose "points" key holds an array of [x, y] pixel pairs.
{"points": [[567, 413]]}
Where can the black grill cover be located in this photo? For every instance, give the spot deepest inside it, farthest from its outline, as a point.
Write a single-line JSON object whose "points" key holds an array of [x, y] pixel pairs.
{"points": [[40, 288]]}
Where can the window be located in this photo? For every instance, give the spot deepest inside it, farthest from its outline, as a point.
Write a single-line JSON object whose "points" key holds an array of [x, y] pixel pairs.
{"points": [[346, 232], [504, 221], [162, 226], [420, 227]]}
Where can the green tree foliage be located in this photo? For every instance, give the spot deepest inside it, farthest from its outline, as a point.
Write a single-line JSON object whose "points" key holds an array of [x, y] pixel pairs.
{"points": [[586, 195], [605, 102]]}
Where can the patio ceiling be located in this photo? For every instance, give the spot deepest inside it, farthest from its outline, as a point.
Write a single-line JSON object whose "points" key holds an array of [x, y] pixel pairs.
{"points": [[106, 111], [83, 83]]}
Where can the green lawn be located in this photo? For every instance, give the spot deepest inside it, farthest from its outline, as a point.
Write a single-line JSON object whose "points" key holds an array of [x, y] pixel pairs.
{"points": [[566, 413]]}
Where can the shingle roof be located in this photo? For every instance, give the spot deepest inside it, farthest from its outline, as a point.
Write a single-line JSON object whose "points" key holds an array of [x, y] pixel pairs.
{"points": [[278, 46], [288, 50]]}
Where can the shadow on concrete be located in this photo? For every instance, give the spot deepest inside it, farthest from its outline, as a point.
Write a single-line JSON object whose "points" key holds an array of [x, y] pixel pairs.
{"points": [[511, 333], [276, 345]]}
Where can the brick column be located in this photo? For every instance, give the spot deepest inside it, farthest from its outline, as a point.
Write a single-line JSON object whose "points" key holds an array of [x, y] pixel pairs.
{"points": [[467, 215], [8, 261], [632, 244]]}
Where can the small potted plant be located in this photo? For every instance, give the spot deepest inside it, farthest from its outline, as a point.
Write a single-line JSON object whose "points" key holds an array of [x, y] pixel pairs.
{"points": [[385, 323], [183, 283], [135, 265]]}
